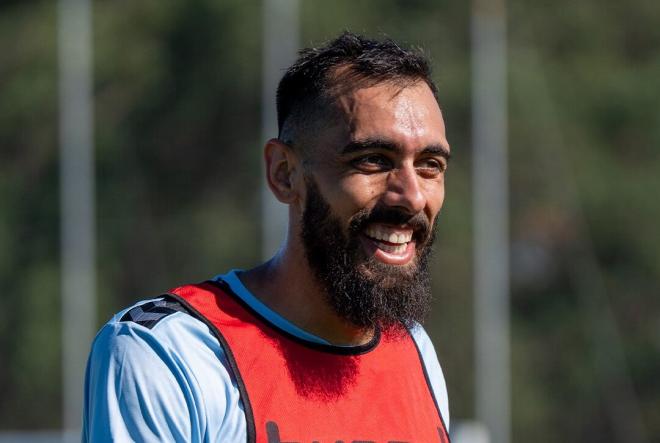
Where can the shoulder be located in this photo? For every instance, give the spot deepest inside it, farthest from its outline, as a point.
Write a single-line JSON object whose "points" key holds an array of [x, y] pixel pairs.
{"points": [[159, 332], [433, 369], [160, 327], [156, 371], [423, 342], [149, 312]]}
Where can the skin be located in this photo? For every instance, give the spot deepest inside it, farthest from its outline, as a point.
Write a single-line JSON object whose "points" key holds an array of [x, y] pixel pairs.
{"points": [[388, 148]]}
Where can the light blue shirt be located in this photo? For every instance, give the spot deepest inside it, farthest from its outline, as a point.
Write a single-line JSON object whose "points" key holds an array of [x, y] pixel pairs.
{"points": [[172, 382]]}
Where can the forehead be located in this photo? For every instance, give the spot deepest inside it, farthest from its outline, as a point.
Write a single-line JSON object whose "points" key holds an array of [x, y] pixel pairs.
{"points": [[407, 116]]}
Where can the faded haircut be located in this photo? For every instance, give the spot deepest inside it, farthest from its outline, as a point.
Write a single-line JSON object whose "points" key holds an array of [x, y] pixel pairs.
{"points": [[307, 92]]}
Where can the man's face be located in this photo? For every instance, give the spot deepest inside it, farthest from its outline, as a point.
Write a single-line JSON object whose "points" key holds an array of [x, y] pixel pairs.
{"points": [[374, 186]]}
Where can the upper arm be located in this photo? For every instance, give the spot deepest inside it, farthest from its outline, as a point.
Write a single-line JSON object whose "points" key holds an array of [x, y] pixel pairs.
{"points": [[433, 370], [136, 389]]}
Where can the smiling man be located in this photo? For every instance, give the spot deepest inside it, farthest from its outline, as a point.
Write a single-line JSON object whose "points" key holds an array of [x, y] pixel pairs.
{"points": [[323, 342]]}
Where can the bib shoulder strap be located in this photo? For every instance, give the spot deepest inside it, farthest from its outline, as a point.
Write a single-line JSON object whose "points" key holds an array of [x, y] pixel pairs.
{"points": [[202, 301]]}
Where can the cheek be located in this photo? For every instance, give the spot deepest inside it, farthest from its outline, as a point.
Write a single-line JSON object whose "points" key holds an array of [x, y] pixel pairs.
{"points": [[435, 197], [351, 194], [362, 190]]}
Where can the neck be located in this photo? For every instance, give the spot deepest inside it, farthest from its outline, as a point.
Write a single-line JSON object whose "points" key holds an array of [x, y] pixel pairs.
{"points": [[287, 285]]}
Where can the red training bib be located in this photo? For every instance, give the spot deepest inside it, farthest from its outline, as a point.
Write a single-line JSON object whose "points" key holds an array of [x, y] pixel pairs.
{"points": [[295, 391]]}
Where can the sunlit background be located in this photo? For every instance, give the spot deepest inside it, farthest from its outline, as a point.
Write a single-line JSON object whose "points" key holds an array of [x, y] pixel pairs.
{"points": [[180, 97]]}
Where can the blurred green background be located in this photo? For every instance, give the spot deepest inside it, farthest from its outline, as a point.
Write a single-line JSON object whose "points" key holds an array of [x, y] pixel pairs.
{"points": [[177, 90]]}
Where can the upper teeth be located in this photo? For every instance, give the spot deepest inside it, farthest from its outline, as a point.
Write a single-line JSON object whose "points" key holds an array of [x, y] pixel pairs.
{"points": [[388, 235]]}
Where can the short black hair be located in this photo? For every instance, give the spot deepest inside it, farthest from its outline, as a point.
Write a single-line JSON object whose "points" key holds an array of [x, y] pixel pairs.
{"points": [[308, 88]]}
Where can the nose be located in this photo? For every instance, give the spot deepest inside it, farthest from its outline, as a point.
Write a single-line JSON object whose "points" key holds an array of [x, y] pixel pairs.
{"points": [[404, 190]]}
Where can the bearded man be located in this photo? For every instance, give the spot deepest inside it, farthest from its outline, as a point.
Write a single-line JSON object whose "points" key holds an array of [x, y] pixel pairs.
{"points": [[322, 343]]}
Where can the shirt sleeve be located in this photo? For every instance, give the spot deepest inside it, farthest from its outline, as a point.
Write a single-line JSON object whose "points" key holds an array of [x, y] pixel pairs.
{"points": [[433, 370], [137, 389]]}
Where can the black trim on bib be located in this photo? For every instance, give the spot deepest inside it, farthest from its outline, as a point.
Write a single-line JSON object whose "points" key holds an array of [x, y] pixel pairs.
{"points": [[332, 349], [250, 428], [430, 387]]}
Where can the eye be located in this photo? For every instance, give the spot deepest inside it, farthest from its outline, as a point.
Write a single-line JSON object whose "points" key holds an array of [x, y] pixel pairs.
{"points": [[430, 167], [372, 163]]}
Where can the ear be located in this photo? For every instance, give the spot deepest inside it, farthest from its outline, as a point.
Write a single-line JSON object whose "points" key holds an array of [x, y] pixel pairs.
{"points": [[282, 166]]}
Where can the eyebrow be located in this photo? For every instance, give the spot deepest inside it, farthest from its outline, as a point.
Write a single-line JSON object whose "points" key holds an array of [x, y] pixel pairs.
{"points": [[369, 144]]}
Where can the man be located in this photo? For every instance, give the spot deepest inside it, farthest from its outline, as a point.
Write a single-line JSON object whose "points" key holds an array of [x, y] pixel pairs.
{"points": [[322, 343]]}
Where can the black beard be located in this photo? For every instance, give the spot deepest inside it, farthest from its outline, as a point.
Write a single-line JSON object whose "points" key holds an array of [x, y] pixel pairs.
{"points": [[362, 290]]}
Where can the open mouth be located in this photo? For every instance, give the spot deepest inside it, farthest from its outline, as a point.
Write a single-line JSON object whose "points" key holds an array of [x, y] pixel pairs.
{"points": [[389, 244]]}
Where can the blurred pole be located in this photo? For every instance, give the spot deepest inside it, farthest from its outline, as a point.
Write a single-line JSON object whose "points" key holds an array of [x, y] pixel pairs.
{"points": [[280, 44], [469, 432], [76, 202], [491, 221]]}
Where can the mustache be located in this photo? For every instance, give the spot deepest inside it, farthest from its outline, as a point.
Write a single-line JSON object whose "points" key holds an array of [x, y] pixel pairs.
{"points": [[419, 222]]}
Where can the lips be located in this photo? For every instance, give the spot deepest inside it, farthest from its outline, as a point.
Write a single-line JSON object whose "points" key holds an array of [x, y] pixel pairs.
{"points": [[389, 244]]}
